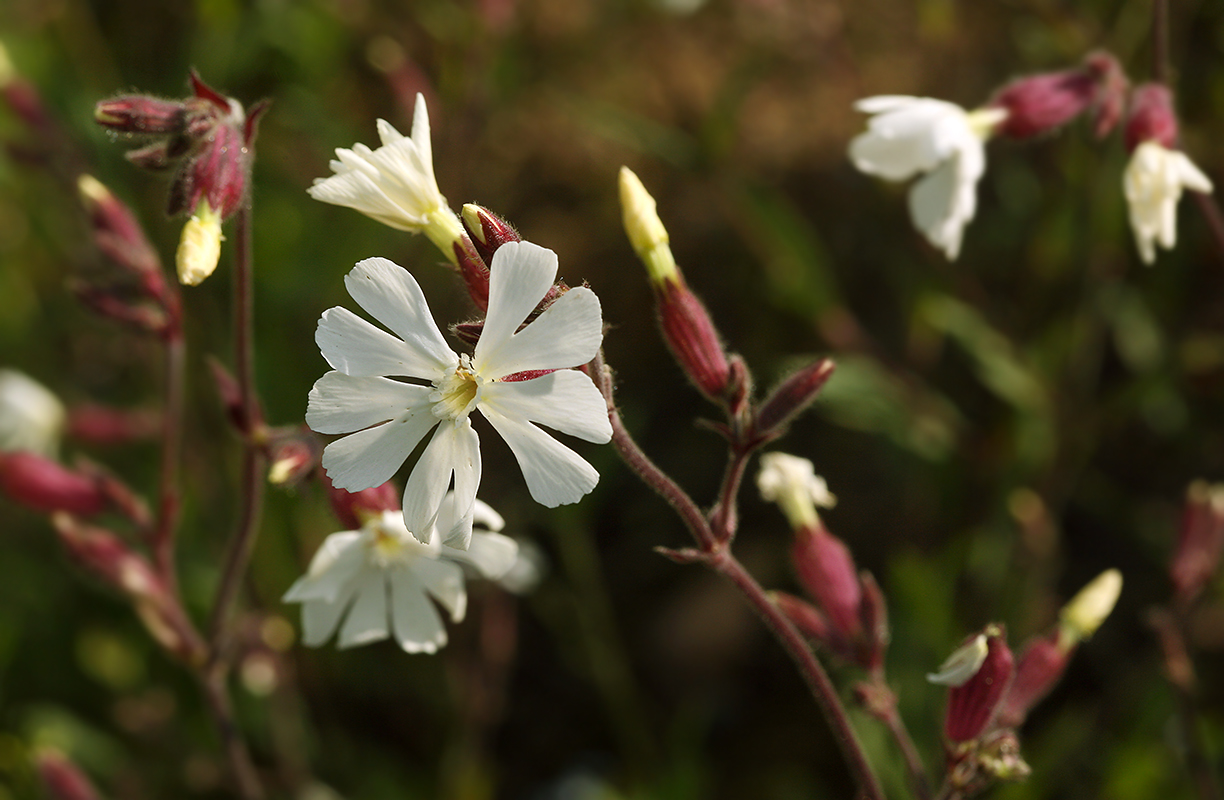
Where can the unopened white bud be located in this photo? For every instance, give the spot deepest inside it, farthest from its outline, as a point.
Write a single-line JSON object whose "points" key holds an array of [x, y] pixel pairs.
{"points": [[1087, 610], [199, 247]]}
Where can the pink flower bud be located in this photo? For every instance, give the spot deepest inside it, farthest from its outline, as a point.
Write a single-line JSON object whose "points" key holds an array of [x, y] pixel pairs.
{"points": [[791, 397], [807, 618], [875, 623], [690, 333], [1040, 667], [973, 703], [294, 455], [217, 173], [353, 508], [1040, 104], [62, 779], [97, 424], [488, 231], [44, 485], [119, 236], [1151, 117], [826, 570], [1200, 541], [143, 114], [474, 271]]}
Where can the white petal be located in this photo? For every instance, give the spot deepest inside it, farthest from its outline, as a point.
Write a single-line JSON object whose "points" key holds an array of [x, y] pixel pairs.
{"points": [[519, 277], [444, 581], [357, 347], [370, 457], [341, 403], [936, 207], [567, 334], [455, 448], [367, 621], [886, 102], [555, 474], [892, 160], [420, 131], [490, 553], [467, 482], [484, 514], [337, 560], [566, 401], [418, 628], [321, 618], [392, 296], [1191, 176], [355, 188]]}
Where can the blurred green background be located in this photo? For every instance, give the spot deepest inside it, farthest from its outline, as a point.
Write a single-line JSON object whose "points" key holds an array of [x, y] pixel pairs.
{"points": [[999, 430]]}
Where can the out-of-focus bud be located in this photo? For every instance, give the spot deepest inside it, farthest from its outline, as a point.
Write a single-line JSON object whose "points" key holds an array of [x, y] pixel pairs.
{"points": [[230, 394], [791, 397], [116, 231], [97, 424], [31, 416], [1039, 668], [293, 454], [21, 96], [62, 779], [199, 247], [1200, 541], [792, 483], [1080, 618], [1152, 118], [975, 694], [645, 230], [40, 484], [1040, 104], [806, 617], [828, 575], [488, 231], [875, 623], [109, 558], [999, 757], [354, 509]]}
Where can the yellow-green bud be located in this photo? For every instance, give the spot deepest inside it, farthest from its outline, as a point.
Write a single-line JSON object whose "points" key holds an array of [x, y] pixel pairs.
{"points": [[1081, 617], [645, 229]]}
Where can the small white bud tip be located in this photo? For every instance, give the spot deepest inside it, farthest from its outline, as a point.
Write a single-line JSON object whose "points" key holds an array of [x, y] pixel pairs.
{"points": [[963, 664]]}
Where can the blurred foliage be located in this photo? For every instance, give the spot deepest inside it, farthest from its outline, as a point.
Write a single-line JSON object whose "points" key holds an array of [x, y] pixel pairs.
{"points": [[1000, 429]]}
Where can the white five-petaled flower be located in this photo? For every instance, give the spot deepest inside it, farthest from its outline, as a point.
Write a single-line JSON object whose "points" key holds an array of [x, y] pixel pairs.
{"points": [[31, 417], [395, 183], [792, 483], [1153, 183], [912, 135], [386, 418], [379, 574]]}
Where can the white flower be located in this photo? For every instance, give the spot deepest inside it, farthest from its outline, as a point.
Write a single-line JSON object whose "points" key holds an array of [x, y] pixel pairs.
{"points": [[380, 575], [394, 184], [912, 135], [792, 483], [388, 418], [31, 417], [1153, 184]]}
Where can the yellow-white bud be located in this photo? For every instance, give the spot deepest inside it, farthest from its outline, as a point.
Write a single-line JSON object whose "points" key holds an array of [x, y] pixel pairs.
{"points": [[792, 483], [1081, 617], [963, 664], [199, 247], [645, 230]]}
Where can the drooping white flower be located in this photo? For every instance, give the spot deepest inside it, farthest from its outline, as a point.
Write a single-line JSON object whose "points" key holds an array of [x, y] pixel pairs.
{"points": [[31, 417], [792, 483], [1153, 184], [394, 183], [913, 135], [386, 418], [379, 580]]}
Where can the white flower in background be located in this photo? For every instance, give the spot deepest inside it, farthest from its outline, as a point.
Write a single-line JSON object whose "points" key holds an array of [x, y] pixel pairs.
{"points": [[1153, 184], [31, 417], [386, 418], [395, 183], [792, 483], [379, 580], [913, 135]]}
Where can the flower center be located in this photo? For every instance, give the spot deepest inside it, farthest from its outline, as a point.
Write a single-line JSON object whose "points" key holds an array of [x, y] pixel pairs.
{"points": [[388, 546], [455, 395]]}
